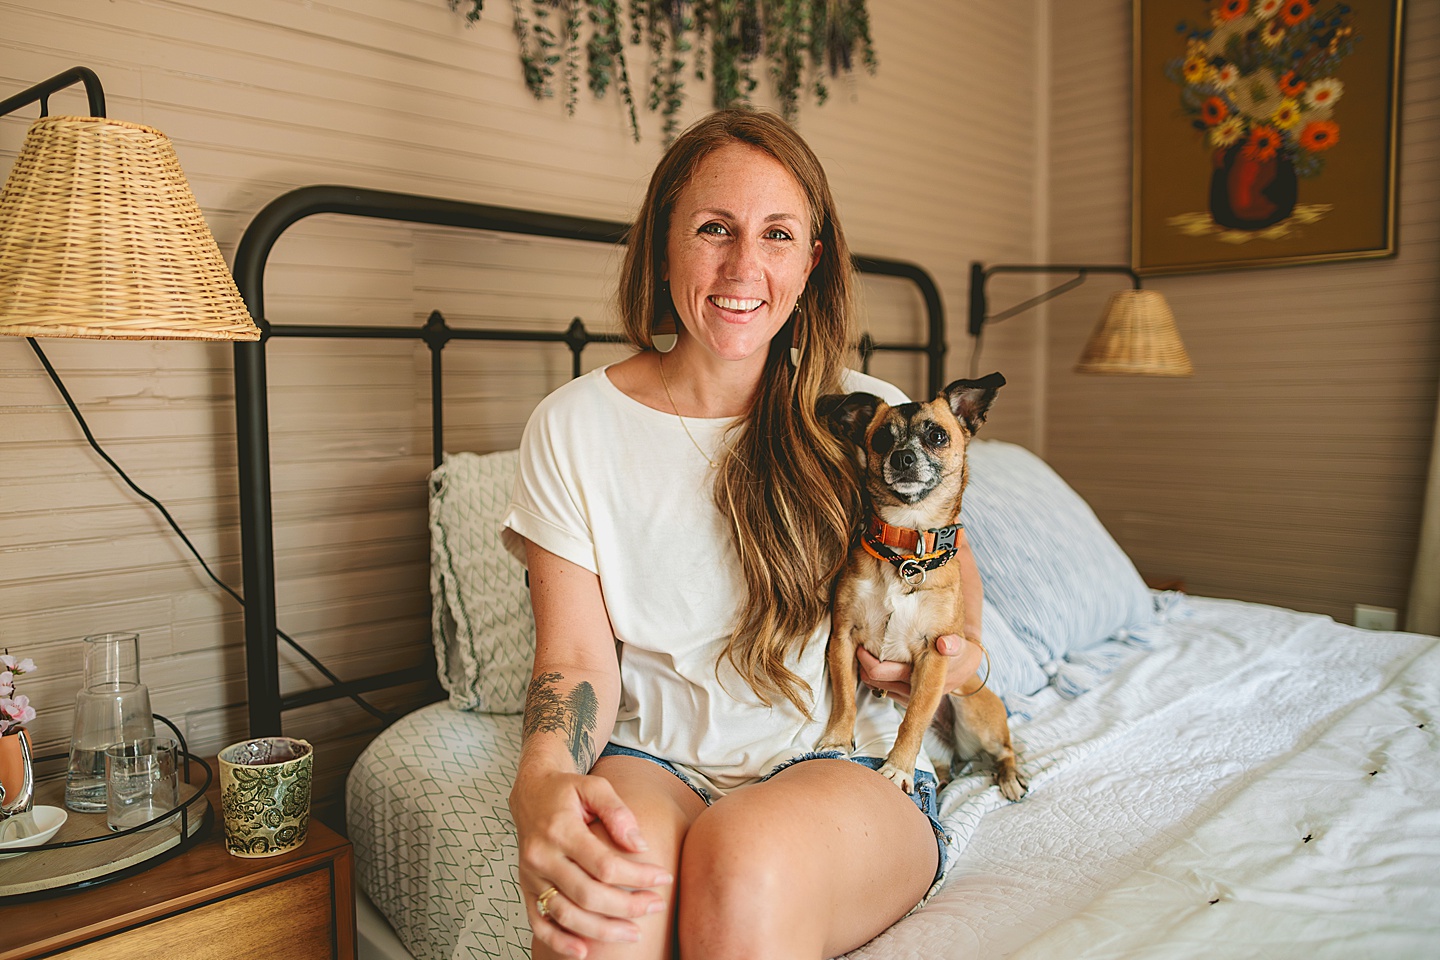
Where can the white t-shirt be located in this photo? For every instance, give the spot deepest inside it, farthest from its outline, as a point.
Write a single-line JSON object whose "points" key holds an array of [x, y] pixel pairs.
{"points": [[618, 488]]}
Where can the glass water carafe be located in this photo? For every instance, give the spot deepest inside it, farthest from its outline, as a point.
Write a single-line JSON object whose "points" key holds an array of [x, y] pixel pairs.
{"points": [[112, 706]]}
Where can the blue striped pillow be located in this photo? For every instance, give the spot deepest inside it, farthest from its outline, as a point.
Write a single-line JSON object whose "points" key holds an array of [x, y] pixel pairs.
{"points": [[1049, 567], [1011, 669]]}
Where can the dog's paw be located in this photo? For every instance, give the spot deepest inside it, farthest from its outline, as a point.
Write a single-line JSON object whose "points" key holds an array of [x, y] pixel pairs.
{"points": [[833, 743], [904, 779], [1013, 787]]}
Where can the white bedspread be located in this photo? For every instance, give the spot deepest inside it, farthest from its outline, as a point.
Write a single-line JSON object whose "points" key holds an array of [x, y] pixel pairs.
{"points": [[1260, 783]]}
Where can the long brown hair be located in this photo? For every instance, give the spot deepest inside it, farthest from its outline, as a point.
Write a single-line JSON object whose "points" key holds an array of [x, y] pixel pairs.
{"points": [[786, 485]]}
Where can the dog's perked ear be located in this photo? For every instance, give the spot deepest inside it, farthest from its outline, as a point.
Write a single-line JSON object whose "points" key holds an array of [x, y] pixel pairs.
{"points": [[849, 415], [970, 399]]}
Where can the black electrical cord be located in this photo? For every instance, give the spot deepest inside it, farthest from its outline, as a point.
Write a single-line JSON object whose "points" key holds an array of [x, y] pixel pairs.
{"points": [[977, 342], [376, 712]]}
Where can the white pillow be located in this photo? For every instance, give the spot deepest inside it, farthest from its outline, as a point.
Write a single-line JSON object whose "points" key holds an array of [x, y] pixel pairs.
{"points": [[1049, 567], [482, 625]]}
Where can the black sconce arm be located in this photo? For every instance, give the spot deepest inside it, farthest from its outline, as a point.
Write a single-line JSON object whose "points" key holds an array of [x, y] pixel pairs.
{"points": [[980, 274], [42, 90]]}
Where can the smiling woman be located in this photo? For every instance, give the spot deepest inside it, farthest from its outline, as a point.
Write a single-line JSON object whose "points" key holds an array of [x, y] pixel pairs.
{"points": [[804, 503], [694, 602], [738, 256]]}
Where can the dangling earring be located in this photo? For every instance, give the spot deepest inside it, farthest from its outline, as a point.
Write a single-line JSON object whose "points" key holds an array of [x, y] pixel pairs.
{"points": [[794, 350], [664, 337]]}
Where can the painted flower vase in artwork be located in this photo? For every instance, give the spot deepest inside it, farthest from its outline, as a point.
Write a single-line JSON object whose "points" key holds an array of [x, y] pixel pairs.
{"points": [[17, 781], [1248, 192]]}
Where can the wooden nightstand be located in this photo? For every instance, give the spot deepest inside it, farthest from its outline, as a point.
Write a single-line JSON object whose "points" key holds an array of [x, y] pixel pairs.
{"points": [[202, 904]]}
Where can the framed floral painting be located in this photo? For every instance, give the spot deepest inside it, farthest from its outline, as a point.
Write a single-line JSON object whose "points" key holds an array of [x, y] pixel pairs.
{"points": [[1265, 132]]}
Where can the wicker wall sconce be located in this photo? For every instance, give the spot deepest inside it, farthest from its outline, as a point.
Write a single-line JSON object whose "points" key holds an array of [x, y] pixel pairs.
{"points": [[1136, 334], [100, 235]]}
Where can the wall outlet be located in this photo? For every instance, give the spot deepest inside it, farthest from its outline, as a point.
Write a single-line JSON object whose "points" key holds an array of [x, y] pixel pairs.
{"points": [[1374, 618]]}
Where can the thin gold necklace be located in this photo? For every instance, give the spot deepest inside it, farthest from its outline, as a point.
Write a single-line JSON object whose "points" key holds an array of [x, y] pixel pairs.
{"points": [[714, 464]]}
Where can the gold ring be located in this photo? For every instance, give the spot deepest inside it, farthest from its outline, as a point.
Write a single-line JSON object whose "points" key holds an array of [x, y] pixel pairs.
{"points": [[542, 902], [882, 694]]}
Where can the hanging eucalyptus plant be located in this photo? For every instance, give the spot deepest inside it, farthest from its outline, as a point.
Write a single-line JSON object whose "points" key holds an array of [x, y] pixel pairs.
{"points": [[801, 42]]}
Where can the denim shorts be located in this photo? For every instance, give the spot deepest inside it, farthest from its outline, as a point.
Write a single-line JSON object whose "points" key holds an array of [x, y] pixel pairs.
{"points": [[924, 796]]}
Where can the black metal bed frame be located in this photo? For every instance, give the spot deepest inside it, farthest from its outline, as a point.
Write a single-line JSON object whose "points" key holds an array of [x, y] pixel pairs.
{"points": [[266, 702]]}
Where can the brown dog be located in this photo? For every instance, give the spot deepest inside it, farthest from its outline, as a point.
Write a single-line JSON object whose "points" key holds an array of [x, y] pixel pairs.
{"points": [[898, 591]]}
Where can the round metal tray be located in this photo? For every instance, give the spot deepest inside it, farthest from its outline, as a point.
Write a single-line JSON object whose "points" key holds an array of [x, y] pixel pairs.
{"points": [[85, 852]]}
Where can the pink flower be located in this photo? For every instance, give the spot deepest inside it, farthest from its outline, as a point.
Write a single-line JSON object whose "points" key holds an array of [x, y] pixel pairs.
{"points": [[11, 665], [15, 712]]}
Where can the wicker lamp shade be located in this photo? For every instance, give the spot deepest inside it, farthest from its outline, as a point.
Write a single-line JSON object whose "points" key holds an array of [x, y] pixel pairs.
{"points": [[1136, 335], [101, 237]]}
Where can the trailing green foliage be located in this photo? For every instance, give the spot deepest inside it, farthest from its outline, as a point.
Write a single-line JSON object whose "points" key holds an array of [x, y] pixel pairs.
{"points": [[722, 41]]}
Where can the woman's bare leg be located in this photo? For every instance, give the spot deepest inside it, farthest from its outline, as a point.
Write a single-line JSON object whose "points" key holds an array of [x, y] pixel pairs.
{"points": [[665, 808], [810, 864]]}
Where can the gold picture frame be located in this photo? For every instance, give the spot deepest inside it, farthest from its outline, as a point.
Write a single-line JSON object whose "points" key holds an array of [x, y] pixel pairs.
{"points": [[1264, 132]]}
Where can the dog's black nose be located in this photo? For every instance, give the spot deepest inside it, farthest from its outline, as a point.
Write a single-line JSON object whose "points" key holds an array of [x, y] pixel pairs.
{"points": [[902, 460]]}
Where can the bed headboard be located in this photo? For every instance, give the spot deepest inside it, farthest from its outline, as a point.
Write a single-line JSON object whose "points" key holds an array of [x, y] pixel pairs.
{"points": [[266, 701]]}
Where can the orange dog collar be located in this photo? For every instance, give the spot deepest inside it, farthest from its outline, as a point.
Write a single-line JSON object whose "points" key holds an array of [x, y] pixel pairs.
{"points": [[912, 552]]}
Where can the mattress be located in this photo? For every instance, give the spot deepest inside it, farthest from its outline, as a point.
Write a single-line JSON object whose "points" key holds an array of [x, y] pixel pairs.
{"points": [[434, 843], [1259, 782]]}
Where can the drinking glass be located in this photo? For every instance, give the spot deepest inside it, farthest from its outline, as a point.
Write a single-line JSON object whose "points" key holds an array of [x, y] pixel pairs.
{"points": [[142, 781]]}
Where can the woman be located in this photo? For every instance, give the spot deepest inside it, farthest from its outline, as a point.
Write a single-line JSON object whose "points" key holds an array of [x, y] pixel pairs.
{"points": [[682, 514]]}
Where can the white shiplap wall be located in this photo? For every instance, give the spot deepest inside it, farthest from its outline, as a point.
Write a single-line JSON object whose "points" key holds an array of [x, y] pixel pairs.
{"points": [[1290, 469], [933, 160]]}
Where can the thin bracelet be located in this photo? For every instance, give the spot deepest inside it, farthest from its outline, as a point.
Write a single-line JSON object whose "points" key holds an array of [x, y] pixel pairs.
{"points": [[986, 655]]}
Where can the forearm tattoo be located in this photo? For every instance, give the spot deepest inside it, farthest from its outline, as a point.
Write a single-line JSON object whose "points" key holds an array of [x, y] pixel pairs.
{"points": [[546, 711]]}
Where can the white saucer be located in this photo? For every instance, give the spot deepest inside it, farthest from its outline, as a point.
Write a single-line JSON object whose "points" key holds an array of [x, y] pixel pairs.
{"points": [[47, 820]]}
